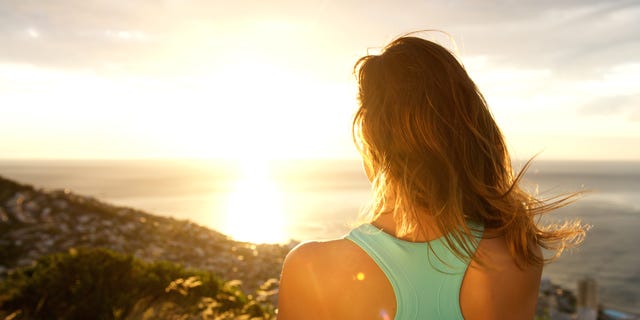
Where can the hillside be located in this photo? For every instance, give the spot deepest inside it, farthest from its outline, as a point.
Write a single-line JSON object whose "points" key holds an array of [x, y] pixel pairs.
{"points": [[37, 222]]}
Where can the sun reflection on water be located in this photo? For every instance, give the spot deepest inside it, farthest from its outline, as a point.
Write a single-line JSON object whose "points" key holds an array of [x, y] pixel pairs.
{"points": [[255, 211]]}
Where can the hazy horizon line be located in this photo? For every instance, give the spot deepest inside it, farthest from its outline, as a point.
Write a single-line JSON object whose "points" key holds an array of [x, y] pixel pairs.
{"points": [[221, 159]]}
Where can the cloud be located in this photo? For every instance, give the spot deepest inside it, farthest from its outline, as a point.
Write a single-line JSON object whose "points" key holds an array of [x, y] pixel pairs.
{"points": [[138, 36], [69, 34], [614, 93], [625, 105], [574, 38]]}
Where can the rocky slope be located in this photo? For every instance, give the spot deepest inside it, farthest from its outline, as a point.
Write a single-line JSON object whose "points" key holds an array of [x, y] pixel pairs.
{"points": [[36, 222]]}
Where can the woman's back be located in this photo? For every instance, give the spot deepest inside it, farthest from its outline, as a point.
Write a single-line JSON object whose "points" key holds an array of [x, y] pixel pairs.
{"points": [[338, 279]]}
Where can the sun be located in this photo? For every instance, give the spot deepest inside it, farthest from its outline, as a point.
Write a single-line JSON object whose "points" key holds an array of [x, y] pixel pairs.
{"points": [[255, 211]]}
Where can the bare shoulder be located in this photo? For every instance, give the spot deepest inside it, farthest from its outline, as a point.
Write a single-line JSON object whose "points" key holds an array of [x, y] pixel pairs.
{"points": [[503, 289], [305, 285], [316, 256], [326, 280], [318, 250]]}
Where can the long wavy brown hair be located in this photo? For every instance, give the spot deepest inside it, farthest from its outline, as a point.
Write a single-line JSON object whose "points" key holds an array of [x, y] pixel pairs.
{"points": [[433, 148]]}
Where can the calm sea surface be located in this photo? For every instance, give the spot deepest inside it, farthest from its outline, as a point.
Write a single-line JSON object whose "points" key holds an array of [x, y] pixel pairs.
{"points": [[322, 199]]}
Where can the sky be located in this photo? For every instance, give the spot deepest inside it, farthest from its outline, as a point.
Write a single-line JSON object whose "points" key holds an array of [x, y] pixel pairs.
{"points": [[273, 79]]}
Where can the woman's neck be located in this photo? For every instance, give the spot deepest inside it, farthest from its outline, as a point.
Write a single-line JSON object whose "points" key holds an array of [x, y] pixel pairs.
{"points": [[388, 224]]}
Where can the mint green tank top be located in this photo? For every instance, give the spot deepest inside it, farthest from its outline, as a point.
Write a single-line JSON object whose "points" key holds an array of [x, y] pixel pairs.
{"points": [[426, 281]]}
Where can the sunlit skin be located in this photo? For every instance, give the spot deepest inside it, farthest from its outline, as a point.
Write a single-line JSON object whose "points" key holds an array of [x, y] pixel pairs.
{"points": [[356, 288]]}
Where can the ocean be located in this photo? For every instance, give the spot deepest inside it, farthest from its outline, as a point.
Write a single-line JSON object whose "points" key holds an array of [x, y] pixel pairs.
{"points": [[313, 199]]}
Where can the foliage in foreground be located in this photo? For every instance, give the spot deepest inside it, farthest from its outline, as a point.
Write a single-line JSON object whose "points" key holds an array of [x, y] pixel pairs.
{"points": [[101, 284]]}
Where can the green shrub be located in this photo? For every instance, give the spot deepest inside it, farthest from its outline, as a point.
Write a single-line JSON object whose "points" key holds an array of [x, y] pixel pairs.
{"points": [[101, 284]]}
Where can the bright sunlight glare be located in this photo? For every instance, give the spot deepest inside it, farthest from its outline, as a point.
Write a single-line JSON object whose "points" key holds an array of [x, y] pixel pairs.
{"points": [[255, 212]]}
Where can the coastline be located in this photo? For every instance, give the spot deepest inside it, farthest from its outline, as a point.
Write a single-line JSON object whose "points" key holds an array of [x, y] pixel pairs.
{"points": [[36, 222]]}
